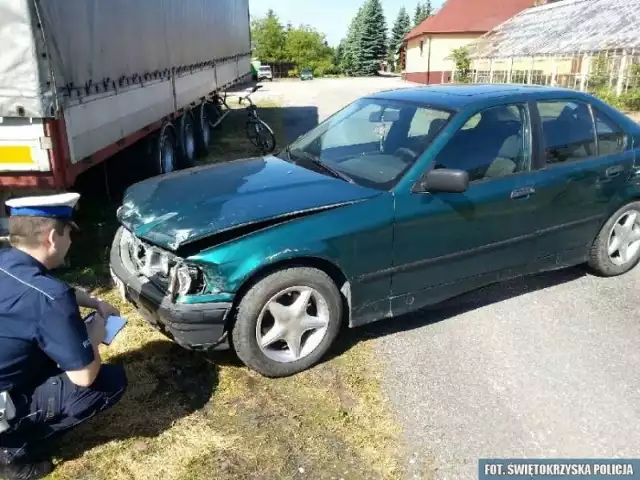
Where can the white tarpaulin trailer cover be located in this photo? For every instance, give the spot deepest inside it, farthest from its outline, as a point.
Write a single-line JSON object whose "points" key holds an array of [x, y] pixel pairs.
{"points": [[93, 47]]}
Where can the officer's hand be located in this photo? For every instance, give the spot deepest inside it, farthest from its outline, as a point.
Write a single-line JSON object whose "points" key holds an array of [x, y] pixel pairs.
{"points": [[96, 330], [105, 309]]}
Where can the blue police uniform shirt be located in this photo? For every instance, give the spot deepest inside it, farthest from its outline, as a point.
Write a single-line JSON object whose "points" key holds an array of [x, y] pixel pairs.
{"points": [[41, 329]]}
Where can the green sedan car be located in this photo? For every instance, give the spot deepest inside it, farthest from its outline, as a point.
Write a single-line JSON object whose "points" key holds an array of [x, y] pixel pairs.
{"points": [[306, 74], [400, 200]]}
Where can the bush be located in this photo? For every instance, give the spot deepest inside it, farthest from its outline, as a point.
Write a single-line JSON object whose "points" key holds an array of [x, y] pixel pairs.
{"points": [[293, 73], [628, 101], [631, 100], [325, 68]]}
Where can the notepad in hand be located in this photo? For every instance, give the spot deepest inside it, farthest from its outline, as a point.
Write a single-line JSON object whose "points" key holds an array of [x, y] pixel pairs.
{"points": [[113, 325]]}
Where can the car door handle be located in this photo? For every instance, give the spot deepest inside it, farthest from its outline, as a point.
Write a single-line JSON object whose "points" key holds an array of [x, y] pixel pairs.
{"points": [[614, 171], [523, 192]]}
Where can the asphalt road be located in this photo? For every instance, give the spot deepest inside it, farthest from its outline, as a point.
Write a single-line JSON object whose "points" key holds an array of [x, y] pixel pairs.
{"points": [[546, 366]]}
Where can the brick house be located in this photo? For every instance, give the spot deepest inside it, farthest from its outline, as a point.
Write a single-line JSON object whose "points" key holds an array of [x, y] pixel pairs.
{"points": [[427, 47]]}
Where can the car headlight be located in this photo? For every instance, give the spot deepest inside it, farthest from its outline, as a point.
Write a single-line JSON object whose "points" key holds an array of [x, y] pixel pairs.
{"points": [[186, 280]]}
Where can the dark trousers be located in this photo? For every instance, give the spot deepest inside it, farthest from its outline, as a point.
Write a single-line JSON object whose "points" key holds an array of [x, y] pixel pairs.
{"points": [[57, 406]]}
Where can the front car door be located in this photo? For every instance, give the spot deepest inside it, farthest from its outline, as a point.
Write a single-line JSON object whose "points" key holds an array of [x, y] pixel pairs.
{"points": [[587, 162], [447, 243]]}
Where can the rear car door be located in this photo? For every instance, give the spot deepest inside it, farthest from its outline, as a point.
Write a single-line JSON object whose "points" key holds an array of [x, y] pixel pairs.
{"points": [[446, 243], [587, 161]]}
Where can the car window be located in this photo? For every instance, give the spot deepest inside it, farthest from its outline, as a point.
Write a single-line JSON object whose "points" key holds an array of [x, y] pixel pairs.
{"points": [[568, 131], [423, 124], [369, 140], [493, 143], [611, 138], [359, 129]]}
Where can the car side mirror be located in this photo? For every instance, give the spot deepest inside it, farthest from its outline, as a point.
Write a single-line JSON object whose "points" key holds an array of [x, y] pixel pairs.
{"points": [[443, 180]]}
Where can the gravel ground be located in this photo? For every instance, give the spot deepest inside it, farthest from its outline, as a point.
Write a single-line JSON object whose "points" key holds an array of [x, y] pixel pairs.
{"points": [[546, 366]]}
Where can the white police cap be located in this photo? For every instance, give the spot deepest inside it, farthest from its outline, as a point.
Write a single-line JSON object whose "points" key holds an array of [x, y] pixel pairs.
{"points": [[60, 206]]}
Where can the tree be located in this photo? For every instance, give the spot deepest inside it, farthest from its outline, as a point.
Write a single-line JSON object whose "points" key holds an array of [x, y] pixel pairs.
{"points": [[462, 60], [269, 37], [427, 10], [339, 53], [422, 12], [401, 27], [373, 39], [306, 47], [351, 50], [418, 16]]}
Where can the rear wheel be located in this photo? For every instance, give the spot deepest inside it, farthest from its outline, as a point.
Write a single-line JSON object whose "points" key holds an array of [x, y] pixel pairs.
{"points": [[204, 135], [616, 249], [261, 135], [163, 158], [287, 321], [187, 140]]}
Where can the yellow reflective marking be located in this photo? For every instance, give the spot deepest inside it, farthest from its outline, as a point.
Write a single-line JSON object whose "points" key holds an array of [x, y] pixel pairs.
{"points": [[13, 155]]}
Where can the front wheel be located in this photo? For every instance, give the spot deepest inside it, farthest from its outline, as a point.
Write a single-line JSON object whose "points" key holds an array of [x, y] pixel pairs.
{"points": [[287, 321], [261, 135], [616, 249]]}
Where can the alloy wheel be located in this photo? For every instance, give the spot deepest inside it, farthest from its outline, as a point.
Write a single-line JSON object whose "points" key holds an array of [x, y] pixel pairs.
{"points": [[292, 324], [624, 239]]}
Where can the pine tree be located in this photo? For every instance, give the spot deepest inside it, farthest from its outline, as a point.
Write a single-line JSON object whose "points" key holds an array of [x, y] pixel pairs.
{"points": [[373, 39], [351, 46], [422, 12], [427, 10], [418, 16], [401, 27]]}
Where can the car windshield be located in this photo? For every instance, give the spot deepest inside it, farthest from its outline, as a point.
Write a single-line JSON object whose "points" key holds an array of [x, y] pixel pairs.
{"points": [[371, 141], [306, 70], [265, 69]]}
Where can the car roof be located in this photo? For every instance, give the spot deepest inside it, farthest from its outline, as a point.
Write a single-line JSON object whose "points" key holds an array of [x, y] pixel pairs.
{"points": [[458, 96]]}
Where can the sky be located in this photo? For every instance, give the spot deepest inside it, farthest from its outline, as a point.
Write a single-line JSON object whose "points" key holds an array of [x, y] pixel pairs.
{"points": [[332, 17]]}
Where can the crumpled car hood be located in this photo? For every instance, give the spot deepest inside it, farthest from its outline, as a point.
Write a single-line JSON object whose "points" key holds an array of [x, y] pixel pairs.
{"points": [[179, 208]]}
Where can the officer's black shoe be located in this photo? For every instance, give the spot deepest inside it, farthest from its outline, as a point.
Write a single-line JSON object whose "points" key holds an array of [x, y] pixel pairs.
{"points": [[25, 471]]}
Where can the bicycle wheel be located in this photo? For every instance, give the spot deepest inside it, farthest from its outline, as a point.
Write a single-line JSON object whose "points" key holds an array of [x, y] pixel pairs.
{"points": [[261, 135]]}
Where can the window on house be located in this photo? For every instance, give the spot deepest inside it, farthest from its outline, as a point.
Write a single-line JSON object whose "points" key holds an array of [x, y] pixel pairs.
{"points": [[421, 47]]}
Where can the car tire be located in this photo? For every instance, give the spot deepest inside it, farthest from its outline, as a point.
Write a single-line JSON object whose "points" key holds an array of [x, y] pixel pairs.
{"points": [[254, 321], [606, 257]]}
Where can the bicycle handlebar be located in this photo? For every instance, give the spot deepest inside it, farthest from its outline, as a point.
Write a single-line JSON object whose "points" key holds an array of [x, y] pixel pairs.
{"points": [[248, 95]]}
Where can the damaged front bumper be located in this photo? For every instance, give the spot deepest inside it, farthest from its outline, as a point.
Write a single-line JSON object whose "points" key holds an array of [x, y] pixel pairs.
{"points": [[199, 326]]}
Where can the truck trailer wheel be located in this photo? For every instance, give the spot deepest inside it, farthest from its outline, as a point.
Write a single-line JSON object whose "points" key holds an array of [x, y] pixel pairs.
{"points": [[186, 140], [204, 133], [163, 159]]}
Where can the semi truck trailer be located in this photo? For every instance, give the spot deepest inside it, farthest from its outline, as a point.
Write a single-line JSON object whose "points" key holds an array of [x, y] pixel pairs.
{"points": [[81, 80]]}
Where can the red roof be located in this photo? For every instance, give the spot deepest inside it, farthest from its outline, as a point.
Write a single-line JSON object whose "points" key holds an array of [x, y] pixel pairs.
{"points": [[470, 16]]}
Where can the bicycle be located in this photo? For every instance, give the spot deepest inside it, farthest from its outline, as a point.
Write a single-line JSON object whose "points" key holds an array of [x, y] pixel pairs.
{"points": [[260, 134]]}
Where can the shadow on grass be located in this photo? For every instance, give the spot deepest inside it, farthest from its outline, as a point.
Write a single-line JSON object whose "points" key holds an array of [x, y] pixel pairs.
{"points": [[482, 297], [166, 383]]}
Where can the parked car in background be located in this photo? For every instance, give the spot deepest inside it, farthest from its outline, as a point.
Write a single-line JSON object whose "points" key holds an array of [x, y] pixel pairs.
{"points": [[264, 72], [306, 74], [400, 200]]}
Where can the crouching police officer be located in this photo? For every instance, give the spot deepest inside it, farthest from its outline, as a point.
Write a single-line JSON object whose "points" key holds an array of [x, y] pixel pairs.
{"points": [[51, 376]]}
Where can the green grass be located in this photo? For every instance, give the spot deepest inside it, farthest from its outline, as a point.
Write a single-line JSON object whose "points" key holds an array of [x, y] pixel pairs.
{"points": [[193, 416]]}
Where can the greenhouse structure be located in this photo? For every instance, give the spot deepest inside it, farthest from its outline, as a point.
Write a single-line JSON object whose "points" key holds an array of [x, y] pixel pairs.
{"points": [[589, 45]]}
